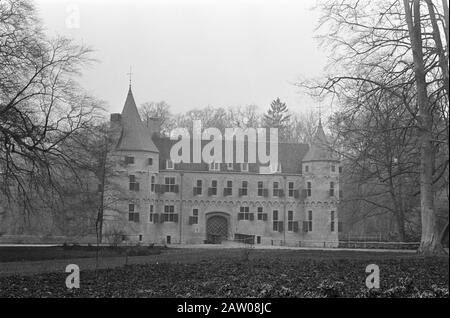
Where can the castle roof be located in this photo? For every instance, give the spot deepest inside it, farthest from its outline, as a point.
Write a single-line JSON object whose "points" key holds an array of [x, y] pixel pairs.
{"points": [[320, 149], [289, 156], [135, 136]]}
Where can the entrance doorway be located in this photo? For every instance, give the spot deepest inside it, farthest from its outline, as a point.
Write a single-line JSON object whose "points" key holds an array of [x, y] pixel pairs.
{"points": [[216, 229]]}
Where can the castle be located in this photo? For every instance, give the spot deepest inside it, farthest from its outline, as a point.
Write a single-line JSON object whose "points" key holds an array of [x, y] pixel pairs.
{"points": [[194, 203]]}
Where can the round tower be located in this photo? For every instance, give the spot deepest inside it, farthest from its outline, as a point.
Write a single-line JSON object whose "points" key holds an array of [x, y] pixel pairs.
{"points": [[136, 160], [320, 168]]}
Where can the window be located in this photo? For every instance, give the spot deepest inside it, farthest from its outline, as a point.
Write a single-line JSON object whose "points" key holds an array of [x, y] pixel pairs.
{"points": [[291, 189], [310, 221], [244, 213], [331, 189], [275, 189], [306, 168], [244, 166], [214, 166], [151, 217], [213, 189], [244, 189], [290, 221], [194, 218], [333, 168], [169, 214], [152, 184], [133, 185], [340, 169], [308, 189], [260, 188], [150, 161], [198, 188], [260, 213], [258, 239], [229, 188], [133, 216], [230, 166], [277, 225], [275, 220], [332, 221], [169, 185], [129, 160], [169, 164]]}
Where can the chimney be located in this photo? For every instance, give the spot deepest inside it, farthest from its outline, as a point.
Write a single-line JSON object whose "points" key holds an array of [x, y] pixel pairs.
{"points": [[153, 125]]}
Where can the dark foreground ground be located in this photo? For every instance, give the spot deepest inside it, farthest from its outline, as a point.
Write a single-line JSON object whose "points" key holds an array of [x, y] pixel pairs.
{"points": [[243, 273]]}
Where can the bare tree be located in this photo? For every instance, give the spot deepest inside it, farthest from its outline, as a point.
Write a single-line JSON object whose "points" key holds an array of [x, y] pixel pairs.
{"points": [[393, 47], [41, 105], [160, 110]]}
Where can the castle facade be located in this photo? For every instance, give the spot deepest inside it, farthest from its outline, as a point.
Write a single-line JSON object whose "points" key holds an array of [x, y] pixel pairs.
{"points": [[163, 202]]}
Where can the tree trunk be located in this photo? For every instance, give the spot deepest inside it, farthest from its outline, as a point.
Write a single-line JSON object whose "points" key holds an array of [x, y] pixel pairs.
{"points": [[430, 241]]}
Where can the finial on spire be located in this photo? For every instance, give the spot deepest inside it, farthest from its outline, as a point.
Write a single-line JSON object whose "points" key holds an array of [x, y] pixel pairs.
{"points": [[129, 74]]}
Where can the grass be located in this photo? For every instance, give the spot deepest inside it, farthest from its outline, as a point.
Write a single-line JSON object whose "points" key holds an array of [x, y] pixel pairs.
{"points": [[265, 273], [17, 253]]}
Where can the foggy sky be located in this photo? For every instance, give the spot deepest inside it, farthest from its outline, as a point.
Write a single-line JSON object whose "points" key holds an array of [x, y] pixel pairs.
{"points": [[193, 53]]}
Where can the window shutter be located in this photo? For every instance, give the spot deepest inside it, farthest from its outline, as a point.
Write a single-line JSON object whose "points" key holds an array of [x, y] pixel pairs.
{"points": [[266, 192], [280, 193], [296, 193], [161, 218], [305, 226], [304, 193], [136, 217], [264, 216], [240, 192], [295, 226], [210, 191], [280, 226], [157, 188], [175, 218], [130, 217], [240, 216], [252, 216], [155, 218], [176, 188], [136, 186]]}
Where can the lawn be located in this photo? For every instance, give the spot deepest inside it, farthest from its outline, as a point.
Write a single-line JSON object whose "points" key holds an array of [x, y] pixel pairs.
{"points": [[18, 253], [244, 273]]}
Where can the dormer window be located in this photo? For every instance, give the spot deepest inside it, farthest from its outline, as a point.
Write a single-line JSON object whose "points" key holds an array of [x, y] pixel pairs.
{"points": [[244, 167], [169, 164], [214, 166]]}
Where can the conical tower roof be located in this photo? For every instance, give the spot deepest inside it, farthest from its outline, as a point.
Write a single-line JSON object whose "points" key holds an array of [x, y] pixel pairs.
{"points": [[134, 135], [320, 148]]}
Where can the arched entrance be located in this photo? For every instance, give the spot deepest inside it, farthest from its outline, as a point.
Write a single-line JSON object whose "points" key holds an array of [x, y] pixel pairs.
{"points": [[216, 229]]}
